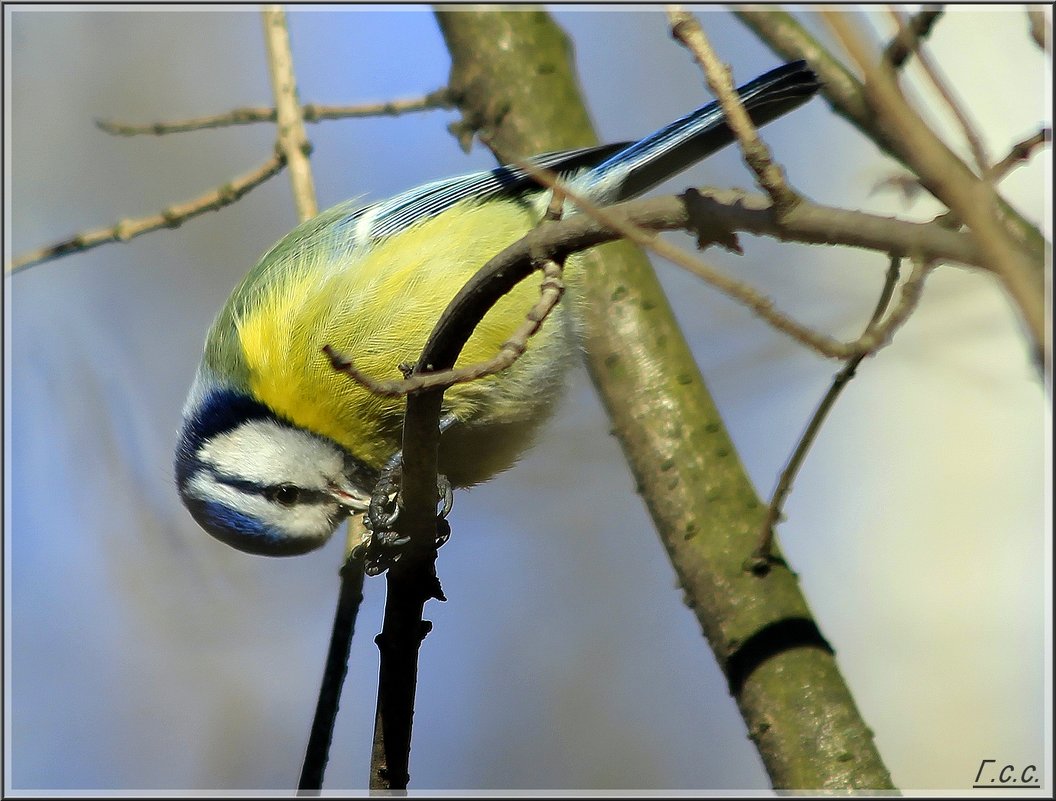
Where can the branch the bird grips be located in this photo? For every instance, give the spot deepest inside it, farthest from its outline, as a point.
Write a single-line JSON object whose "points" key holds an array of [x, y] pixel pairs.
{"points": [[277, 448]]}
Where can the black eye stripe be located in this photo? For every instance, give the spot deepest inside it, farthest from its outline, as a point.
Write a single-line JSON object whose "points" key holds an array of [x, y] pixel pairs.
{"points": [[304, 496]]}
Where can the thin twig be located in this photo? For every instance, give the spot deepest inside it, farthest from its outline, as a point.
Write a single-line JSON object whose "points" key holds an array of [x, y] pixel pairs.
{"points": [[171, 217], [724, 211], [762, 553], [412, 580], [938, 80], [1020, 153], [292, 139], [1039, 27], [787, 37], [686, 29], [321, 734], [310, 112], [737, 290], [970, 198], [905, 42], [551, 290]]}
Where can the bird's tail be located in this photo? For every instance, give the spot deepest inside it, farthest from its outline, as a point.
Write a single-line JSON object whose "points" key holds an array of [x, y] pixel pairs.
{"points": [[700, 133]]}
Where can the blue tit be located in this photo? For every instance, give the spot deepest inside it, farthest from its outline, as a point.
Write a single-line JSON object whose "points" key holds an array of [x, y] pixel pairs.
{"points": [[276, 447]]}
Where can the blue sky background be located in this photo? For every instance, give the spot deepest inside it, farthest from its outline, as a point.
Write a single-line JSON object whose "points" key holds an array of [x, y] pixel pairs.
{"points": [[143, 655]]}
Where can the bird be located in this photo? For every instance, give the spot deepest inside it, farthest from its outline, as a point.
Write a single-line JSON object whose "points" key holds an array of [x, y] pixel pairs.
{"points": [[276, 448]]}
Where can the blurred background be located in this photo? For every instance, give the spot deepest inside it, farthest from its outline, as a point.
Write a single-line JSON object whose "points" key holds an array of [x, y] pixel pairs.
{"points": [[140, 654]]}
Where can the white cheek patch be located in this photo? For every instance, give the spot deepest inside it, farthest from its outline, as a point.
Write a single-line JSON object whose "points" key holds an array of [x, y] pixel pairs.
{"points": [[301, 520], [267, 453]]}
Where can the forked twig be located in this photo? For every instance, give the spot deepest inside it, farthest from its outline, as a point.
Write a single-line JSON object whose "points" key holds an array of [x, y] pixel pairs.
{"points": [[762, 556], [737, 290], [972, 199], [1020, 153]]}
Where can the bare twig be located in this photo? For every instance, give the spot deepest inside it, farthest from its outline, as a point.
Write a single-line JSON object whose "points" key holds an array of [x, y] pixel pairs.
{"points": [[310, 112], [788, 475], [171, 217], [737, 290], [512, 349], [1020, 152], [292, 140], [1039, 27], [556, 240], [293, 144], [686, 29], [810, 223], [412, 580], [938, 80], [971, 199], [787, 37], [321, 734], [909, 35]]}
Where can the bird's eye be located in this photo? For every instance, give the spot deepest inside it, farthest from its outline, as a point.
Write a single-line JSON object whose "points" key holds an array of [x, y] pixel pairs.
{"points": [[284, 494]]}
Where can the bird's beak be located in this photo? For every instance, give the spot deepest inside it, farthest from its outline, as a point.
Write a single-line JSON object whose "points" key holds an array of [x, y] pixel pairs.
{"points": [[350, 496]]}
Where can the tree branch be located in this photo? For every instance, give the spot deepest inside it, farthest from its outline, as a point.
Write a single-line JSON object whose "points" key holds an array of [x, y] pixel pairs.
{"points": [[687, 30], [799, 453], [714, 216], [1020, 153], [516, 83], [910, 35], [321, 734], [293, 142], [938, 80], [845, 93], [171, 217], [310, 112], [1040, 28], [970, 198]]}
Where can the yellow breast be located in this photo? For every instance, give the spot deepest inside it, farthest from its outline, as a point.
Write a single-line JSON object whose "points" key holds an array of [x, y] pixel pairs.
{"points": [[379, 307]]}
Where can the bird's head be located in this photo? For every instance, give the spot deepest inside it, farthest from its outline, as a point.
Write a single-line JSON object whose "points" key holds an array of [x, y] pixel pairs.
{"points": [[258, 482]]}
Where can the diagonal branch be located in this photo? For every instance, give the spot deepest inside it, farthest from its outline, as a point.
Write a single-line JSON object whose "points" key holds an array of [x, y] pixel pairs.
{"points": [[1020, 153], [171, 217], [714, 215], [293, 142], [787, 37], [938, 80], [763, 552], [685, 465], [909, 36], [310, 112], [970, 198], [771, 178], [321, 734]]}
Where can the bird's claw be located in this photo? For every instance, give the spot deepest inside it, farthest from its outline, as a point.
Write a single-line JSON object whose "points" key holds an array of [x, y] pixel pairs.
{"points": [[385, 546]]}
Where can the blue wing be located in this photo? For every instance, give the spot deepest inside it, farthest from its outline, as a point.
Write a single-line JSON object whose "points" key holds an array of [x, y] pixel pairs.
{"points": [[430, 199], [616, 171]]}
